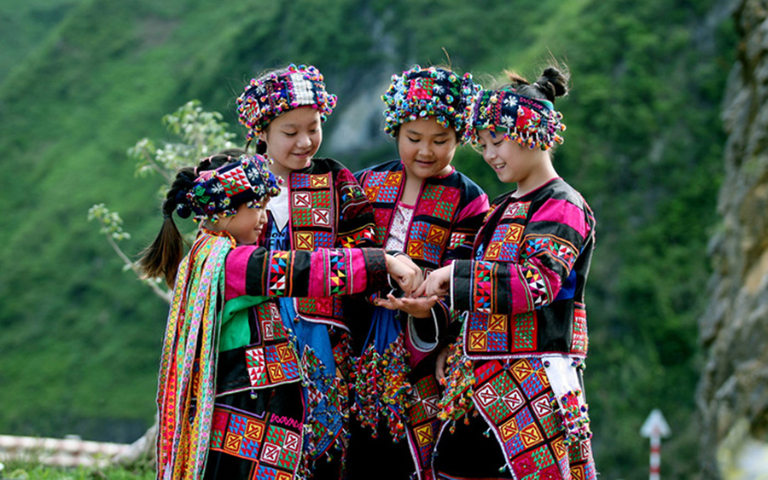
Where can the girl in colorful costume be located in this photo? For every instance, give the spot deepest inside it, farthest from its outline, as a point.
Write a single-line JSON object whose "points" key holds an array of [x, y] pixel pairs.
{"points": [[430, 212], [321, 206], [229, 397], [514, 405]]}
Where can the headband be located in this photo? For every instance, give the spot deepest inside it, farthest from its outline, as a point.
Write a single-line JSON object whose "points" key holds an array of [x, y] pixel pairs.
{"points": [[218, 193], [271, 95], [431, 92], [533, 123]]}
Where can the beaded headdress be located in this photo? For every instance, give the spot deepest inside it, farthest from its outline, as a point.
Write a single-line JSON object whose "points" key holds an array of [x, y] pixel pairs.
{"points": [[429, 92], [533, 123], [269, 96], [218, 193]]}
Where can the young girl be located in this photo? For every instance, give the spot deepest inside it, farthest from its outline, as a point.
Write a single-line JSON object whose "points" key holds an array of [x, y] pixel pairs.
{"points": [[431, 212], [514, 404], [321, 206], [229, 390]]}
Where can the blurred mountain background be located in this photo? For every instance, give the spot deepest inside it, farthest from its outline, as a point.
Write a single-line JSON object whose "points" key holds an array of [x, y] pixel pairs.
{"points": [[81, 81]]}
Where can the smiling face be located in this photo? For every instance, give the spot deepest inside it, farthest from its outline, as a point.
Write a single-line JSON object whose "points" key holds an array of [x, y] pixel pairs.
{"points": [[511, 162], [247, 224], [292, 139], [426, 148]]}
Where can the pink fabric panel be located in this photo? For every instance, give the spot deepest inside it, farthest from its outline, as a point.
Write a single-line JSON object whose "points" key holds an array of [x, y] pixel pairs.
{"points": [[476, 207], [317, 274], [237, 264], [357, 273], [564, 212]]}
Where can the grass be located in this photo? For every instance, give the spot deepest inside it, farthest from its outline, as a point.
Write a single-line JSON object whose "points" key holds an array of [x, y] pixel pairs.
{"points": [[30, 469]]}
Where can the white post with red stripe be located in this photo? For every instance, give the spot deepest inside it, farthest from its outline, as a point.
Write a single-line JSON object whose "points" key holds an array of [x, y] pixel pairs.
{"points": [[655, 427]]}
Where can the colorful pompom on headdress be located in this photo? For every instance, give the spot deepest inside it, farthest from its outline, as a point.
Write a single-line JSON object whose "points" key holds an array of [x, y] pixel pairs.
{"points": [[533, 123], [430, 92], [218, 193], [269, 96]]}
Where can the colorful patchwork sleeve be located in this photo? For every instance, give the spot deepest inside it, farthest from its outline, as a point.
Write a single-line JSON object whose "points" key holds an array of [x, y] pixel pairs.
{"points": [[256, 271], [551, 244], [356, 221]]}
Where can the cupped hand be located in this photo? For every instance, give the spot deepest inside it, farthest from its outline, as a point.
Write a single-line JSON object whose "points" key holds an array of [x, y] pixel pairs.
{"points": [[416, 307]]}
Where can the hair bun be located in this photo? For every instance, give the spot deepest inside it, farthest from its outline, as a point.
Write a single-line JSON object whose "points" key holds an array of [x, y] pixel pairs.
{"points": [[183, 210], [553, 83]]}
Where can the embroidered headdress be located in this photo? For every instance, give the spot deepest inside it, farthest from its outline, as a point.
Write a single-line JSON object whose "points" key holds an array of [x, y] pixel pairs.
{"points": [[218, 193], [430, 92], [533, 123], [276, 93]]}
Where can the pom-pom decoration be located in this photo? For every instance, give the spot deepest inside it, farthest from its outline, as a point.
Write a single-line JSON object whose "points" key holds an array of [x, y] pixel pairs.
{"points": [[430, 92], [267, 97], [532, 123]]}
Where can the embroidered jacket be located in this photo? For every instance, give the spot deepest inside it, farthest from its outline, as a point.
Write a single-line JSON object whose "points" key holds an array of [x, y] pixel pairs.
{"points": [[327, 210], [392, 381], [249, 276], [304, 338], [446, 217], [524, 334], [524, 292]]}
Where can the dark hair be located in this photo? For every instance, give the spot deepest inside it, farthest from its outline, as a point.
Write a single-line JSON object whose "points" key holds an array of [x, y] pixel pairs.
{"points": [[163, 256], [552, 83]]}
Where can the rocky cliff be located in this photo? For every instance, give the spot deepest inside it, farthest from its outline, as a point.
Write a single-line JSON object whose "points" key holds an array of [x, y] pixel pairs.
{"points": [[733, 392]]}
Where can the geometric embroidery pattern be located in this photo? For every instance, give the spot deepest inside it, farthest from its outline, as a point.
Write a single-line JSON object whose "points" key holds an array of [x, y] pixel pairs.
{"points": [[423, 400], [556, 248], [518, 406], [234, 182], [536, 286], [281, 447], [272, 364], [274, 450], [278, 269], [580, 339], [524, 334], [487, 333], [304, 241], [423, 423], [516, 211], [271, 325], [300, 180], [268, 473], [483, 287], [457, 239], [338, 272], [508, 252]]}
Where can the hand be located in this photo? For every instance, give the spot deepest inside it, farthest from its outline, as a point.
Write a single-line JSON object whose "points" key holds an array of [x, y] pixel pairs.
{"points": [[416, 307], [406, 273], [440, 364], [437, 283]]}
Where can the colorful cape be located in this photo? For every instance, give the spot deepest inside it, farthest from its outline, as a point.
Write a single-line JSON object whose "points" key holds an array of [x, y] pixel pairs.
{"points": [[186, 388]]}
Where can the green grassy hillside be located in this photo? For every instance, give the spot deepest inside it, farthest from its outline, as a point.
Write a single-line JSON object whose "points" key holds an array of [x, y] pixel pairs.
{"points": [[80, 337]]}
